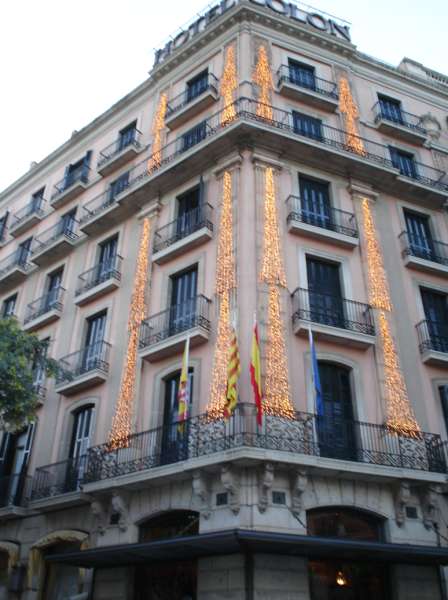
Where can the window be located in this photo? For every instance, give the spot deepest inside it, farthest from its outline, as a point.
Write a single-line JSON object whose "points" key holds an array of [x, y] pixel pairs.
{"points": [[315, 202], [307, 126], [3, 223], [443, 391], [61, 581], [183, 301], [435, 305], [197, 85], [37, 200], [344, 523], [174, 437], [39, 373], [68, 223], [419, 235], [390, 109], [15, 450], [189, 211], [324, 292], [82, 431], [24, 252], [194, 136], [302, 75], [78, 171], [107, 258], [94, 342], [54, 281], [127, 136], [117, 186], [404, 162], [9, 306]]}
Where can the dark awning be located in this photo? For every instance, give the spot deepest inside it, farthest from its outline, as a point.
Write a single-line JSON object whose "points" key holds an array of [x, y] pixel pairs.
{"points": [[240, 540]]}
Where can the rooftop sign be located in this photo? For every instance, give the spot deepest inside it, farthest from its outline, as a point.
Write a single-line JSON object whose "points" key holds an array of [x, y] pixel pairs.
{"points": [[317, 20]]}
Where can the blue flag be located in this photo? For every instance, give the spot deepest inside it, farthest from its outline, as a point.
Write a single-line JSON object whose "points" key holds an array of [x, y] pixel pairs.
{"points": [[319, 403]]}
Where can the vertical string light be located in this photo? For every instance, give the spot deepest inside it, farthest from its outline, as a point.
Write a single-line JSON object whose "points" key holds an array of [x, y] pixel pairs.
{"points": [[350, 111], [122, 421], [225, 286], [262, 77], [229, 84], [400, 418], [158, 125], [277, 396]]}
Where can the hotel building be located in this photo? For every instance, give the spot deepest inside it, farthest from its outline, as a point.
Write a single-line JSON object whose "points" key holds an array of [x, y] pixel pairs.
{"points": [[266, 167]]}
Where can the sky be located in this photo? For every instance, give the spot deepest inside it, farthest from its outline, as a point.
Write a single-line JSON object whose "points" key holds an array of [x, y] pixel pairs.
{"points": [[63, 63]]}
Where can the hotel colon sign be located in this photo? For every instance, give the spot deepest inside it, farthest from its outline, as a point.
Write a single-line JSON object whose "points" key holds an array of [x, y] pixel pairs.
{"points": [[266, 168]]}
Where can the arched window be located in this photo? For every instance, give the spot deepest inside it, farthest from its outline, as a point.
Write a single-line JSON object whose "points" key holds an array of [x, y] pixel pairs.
{"points": [[168, 525], [344, 523], [61, 581]]}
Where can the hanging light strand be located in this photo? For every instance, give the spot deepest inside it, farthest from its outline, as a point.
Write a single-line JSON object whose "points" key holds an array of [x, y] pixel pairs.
{"points": [[229, 85], [122, 421], [262, 77], [272, 269], [158, 125], [350, 111]]}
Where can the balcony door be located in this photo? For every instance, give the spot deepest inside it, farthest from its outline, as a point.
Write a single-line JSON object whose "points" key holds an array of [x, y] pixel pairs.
{"points": [[53, 288], [435, 305], [107, 258], [324, 292], [419, 234], [127, 136], [188, 212], [302, 75], [174, 438], [80, 442], [315, 202], [68, 223], [15, 451], [94, 341], [183, 301], [197, 86], [404, 162], [335, 428], [391, 109], [24, 252]]}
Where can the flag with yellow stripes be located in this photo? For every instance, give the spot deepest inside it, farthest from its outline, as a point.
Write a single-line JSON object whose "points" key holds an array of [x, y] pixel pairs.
{"points": [[233, 372]]}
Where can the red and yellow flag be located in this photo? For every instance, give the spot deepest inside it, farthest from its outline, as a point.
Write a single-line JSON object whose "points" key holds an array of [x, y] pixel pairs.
{"points": [[233, 372], [255, 372], [182, 394]]}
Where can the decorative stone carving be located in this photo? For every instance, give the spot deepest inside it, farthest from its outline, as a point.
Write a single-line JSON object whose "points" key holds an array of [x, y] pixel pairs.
{"points": [[429, 500], [265, 481], [432, 125], [201, 491], [231, 483], [99, 513], [402, 497], [119, 506], [299, 482]]}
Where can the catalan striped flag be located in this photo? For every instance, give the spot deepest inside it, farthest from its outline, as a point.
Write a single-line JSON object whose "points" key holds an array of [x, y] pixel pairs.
{"points": [[255, 372], [183, 393], [233, 372]]}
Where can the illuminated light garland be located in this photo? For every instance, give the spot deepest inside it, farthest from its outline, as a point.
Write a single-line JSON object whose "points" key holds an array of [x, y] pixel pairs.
{"points": [[229, 85], [225, 284], [277, 393], [350, 111], [158, 126], [121, 423], [400, 418], [262, 77]]}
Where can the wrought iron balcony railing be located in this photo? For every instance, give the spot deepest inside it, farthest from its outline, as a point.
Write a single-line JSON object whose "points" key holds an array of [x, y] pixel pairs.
{"points": [[330, 218], [130, 139], [56, 232], [247, 110], [399, 117], [18, 258], [101, 272], [35, 207], [59, 478], [307, 81], [178, 102], [50, 301], [183, 226], [80, 175], [423, 247], [15, 490], [325, 309], [432, 335], [174, 320], [306, 434], [98, 205], [91, 358]]}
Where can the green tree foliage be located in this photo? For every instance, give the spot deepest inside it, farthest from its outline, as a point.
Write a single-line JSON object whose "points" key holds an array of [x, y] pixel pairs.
{"points": [[21, 354]]}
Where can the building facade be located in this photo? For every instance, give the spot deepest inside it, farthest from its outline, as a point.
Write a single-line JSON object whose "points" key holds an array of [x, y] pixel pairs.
{"points": [[269, 168]]}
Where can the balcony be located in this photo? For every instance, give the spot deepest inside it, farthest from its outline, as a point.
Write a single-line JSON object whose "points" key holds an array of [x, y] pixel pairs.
{"points": [[44, 310], [14, 268], [342, 154], [103, 212], [402, 125], [190, 103], [117, 154], [184, 233], [433, 342], [14, 495], [164, 334], [27, 217], [54, 243], [70, 187], [333, 225], [59, 485], [333, 319], [424, 254], [98, 281], [313, 90], [304, 440], [83, 369]]}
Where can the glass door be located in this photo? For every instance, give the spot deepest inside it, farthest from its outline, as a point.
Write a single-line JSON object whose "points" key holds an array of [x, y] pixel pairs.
{"points": [[107, 259], [188, 212], [54, 284], [391, 110], [82, 430], [315, 203], [182, 312], [404, 162], [302, 75], [94, 342], [174, 438], [420, 239], [436, 313], [324, 292]]}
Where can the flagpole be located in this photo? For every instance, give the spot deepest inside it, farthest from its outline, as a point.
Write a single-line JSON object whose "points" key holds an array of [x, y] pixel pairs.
{"points": [[313, 385]]}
